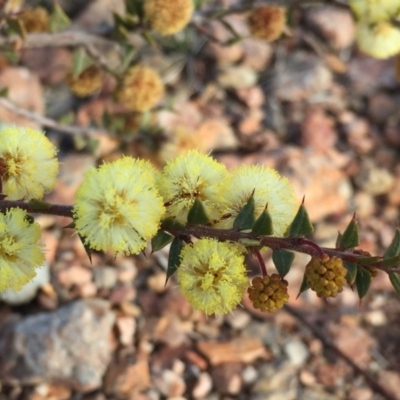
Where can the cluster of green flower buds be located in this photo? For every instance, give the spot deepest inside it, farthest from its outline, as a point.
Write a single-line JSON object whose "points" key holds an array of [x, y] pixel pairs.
{"points": [[326, 276], [268, 293]]}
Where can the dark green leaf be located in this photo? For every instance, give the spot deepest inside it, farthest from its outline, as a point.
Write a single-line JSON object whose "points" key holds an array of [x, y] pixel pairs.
{"points": [[171, 223], [15, 26], [363, 281], [4, 92], [304, 286], [351, 272], [174, 259], [129, 53], [368, 260], [245, 219], [80, 61], [263, 224], [29, 218], [301, 225], [283, 260], [349, 237], [338, 239], [197, 214], [160, 240], [391, 262], [88, 250], [58, 19], [395, 279], [394, 247]]}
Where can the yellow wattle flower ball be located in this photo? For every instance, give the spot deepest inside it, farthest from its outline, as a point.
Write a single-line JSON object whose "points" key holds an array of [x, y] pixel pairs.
{"points": [[20, 249], [269, 188], [140, 89], [212, 276], [267, 22], [168, 16], [35, 20], [28, 164], [117, 207], [371, 11], [86, 83], [190, 177], [381, 40]]}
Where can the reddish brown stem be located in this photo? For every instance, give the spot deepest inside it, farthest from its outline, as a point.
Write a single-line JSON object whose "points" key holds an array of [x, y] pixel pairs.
{"points": [[260, 259]]}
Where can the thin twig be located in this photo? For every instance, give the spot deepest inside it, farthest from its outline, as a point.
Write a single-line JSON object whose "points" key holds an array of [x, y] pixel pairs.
{"points": [[57, 39], [329, 343], [47, 122]]}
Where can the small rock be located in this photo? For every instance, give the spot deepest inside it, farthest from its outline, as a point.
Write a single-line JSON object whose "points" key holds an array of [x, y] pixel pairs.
{"points": [[242, 349], [158, 282], [216, 133], [203, 386], [105, 277], [123, 378], [318, 129], [126, 328], [297, 352], [74, 275], [249, 375], [71, 345], [227, 378], [390, 380], [49, 392], [277, 382], [334, 24], [237, 77], [169, 383], [25, 91], [303, 76], [374, 180], [360, 394]]}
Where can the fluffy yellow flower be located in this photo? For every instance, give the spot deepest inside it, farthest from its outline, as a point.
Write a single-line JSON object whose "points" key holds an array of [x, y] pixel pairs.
{"points": [[35, 20], [117, 206], [269, 188], [86, 83], [140, 89], [267, 22], [371, 11], [212, 276], [20, 249], [29, 167], [380, 41], [168, 16], [190, 177]]}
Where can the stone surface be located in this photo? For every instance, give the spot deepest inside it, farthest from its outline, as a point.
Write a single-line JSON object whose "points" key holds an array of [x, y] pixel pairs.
{"points": [[70, 346], [242, 349]]}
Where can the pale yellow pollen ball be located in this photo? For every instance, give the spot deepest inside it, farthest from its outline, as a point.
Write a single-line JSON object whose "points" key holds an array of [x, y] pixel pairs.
{"points": [[168, 16]]}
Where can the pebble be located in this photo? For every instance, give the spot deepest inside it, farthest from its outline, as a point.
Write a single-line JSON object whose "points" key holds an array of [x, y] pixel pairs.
{"points": [[297, 352], [71, 345]]}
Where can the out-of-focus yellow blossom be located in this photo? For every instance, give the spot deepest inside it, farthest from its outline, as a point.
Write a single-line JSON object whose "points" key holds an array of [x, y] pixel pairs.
{"points": [[117, 206], [269, 188], [212, 276], [20, 249], [371, 11], [86, 83], [267, 22], [190, 177], [28, 167], [381, 40], [35, 20], [140, 89], [168, 16]]}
